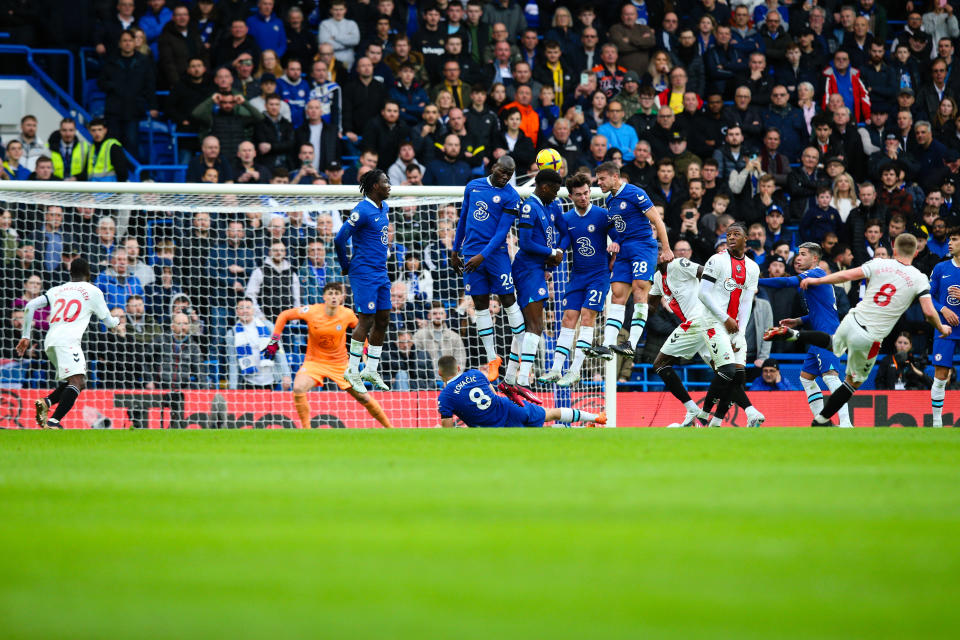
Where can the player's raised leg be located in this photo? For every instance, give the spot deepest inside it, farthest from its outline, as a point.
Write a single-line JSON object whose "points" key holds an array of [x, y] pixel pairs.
{"points": [[561, 353]]}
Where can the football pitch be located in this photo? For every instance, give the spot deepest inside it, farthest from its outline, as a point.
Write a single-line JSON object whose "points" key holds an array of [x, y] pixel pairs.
{"points": [[628, 533]]}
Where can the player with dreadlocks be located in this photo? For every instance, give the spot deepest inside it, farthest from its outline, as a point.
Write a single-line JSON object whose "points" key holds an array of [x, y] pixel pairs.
{"points": [[368, 226]]}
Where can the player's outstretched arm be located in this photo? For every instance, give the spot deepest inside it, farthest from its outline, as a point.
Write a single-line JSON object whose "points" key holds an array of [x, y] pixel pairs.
{"points": [[834, 278], [340, 242], [784, 282], [933, 318], [274, 345], [654, 216], [500, 233], [447, 423], [37, 303]]}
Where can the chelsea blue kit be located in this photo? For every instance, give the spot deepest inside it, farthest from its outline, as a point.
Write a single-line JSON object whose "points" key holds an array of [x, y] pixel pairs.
{"points": [[638, 255], [486, 216], [590, 275], [367, 225], [471, 397], [541, 227], [944, 275]]}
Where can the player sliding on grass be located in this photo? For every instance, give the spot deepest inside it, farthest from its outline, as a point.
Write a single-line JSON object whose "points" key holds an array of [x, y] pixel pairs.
{"points": [[892, 286], [945, 291], [490, 205], [640, 226], [368, 225], [821, 316], [469, 396], [72, 303], [326, 359], [586, 292], [541, 226]]}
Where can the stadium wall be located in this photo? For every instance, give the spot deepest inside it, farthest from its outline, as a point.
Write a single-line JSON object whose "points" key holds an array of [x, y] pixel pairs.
{"points": [[270, 409]]}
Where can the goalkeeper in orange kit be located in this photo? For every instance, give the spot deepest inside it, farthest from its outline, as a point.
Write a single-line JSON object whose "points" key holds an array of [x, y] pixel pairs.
{"points": [[326, 358]]}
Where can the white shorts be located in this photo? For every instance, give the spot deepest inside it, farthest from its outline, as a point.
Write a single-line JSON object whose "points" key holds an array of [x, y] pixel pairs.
{"points": [[739, 342], [861, 348], [67, 361], [711, 341]]}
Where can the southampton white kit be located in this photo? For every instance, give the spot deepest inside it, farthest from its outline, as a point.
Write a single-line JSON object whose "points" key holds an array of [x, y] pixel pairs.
{"points": [[891, 288], [71, 306], [735, 284], [698, 332]]}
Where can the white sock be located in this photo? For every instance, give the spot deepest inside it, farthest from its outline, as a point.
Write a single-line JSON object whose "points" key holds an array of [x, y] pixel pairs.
{"points": [[485, 331], [531, 345], [564, 346], [814, 395], [691, 406], [356, 353], [833, 383], [515, 318], [638, 322], [575, 415], [937, 392], [373, 358], [513, 362], [614, 323], [584, 341], [716, 422]]}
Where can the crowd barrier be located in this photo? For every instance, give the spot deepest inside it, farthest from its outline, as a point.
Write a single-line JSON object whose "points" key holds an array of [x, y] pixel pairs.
{"points": [[274, 410]]}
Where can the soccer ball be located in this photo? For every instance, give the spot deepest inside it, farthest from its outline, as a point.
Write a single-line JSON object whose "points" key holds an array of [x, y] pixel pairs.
{"points": [[549, 159]]}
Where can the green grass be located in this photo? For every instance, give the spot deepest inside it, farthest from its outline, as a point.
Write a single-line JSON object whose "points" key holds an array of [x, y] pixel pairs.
{"points": [[628, 533]]}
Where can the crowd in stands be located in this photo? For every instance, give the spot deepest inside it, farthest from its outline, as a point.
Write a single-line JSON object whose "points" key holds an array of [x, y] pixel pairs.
{"points": [[819, 120]]}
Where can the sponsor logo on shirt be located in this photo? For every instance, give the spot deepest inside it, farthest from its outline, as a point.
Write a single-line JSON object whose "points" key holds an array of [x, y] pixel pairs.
{"points": [[480, 213]]}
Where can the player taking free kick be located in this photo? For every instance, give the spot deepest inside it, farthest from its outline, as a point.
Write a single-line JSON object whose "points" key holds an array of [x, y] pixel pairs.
{"points": [[892, 286], [72, 303], [470, 396], [368, 225], [326, 358]]}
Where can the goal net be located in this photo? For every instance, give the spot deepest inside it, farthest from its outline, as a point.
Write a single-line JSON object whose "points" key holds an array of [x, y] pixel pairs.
{"points": [[198, 274]]}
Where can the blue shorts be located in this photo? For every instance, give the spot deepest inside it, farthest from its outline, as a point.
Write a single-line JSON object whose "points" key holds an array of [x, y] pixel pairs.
{"points": [[492, 276], [370, 297], [587, 292], [819, 361], [529, 415], [635, 262], [531, 285], [943, 350]]}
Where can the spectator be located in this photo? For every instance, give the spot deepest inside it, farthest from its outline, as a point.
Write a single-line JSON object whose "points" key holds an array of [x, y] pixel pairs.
{"points": [[417, 277], [33, 148], [322, 137], [770, 378], [437, 339], [176, 361], [238, 42], [120, 357], [618, 134], [512, 140], [193, 88], [723, 62], [408, 94], [407, 367], [508, 13], [245, 84], [108, 31], [843, 79], [135, 266], [341, 32], [44, 170], [892, 194], [153, 21], [294, 90], [609, 73], [128, 81], [274, 136], [386, 133], [274, 286], [99, 253], [178, 42], [820, 218], [116, 282], [233, 263], [12, 168], [267, 29], [244, 343], [245, 167], [226, 117], [436, 258], [449, 170], [316, 271], [362, 99], [803, 182], [68, 151], [903, 369], [634, 41], [209, 158], [406, 158], [731, 156], [328, 93], [301, 44]]}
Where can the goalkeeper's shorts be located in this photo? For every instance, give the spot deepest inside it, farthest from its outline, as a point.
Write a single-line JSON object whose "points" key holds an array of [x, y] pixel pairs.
{"points": [[322, 372]]}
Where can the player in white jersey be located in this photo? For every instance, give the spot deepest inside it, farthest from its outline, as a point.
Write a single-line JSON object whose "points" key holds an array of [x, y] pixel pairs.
{"points": [[677, 283], [892, 286], [72, 304], [728, 286]]}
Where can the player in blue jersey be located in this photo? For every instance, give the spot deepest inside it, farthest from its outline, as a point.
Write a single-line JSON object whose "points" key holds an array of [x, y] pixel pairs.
{"points": [[469, 396], [490, 206], [540, 228], [945, 291], [640, 226], [367, 226], [821, 316], [586, 291]]}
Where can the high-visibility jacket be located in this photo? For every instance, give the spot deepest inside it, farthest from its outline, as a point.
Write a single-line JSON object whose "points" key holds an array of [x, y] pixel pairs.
{"points": [[99, 165], [77, 160]]}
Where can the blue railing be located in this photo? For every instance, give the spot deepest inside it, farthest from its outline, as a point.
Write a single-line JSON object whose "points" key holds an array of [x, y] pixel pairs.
{"points": [[49, 83]]}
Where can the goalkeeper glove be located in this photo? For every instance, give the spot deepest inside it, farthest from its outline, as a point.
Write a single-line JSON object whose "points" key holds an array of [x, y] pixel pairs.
{"points": [[272, 347]]}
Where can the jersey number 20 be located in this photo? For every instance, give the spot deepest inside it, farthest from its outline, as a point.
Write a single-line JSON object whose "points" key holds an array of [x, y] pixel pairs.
{"points": [[64, 311]]}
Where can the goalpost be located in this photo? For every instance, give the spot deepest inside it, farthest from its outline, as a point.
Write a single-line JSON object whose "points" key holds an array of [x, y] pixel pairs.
{"points": [[188, 255]]}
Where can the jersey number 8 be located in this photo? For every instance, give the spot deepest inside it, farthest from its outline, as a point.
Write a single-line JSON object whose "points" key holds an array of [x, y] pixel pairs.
{"points": [[479, 398], [882, 298]]}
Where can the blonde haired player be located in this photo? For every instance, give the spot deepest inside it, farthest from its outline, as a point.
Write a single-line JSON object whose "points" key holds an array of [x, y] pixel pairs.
{"points": [[326, 357], [892, 286], [72, 304]]}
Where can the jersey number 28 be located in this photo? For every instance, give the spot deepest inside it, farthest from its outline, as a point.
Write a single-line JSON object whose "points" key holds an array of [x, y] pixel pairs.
{"points": [[64, 311]]}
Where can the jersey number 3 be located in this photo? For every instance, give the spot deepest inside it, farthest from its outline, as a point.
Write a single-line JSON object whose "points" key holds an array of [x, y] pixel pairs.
{"points": [[64, 311], [479, 398], [882, 298]]}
